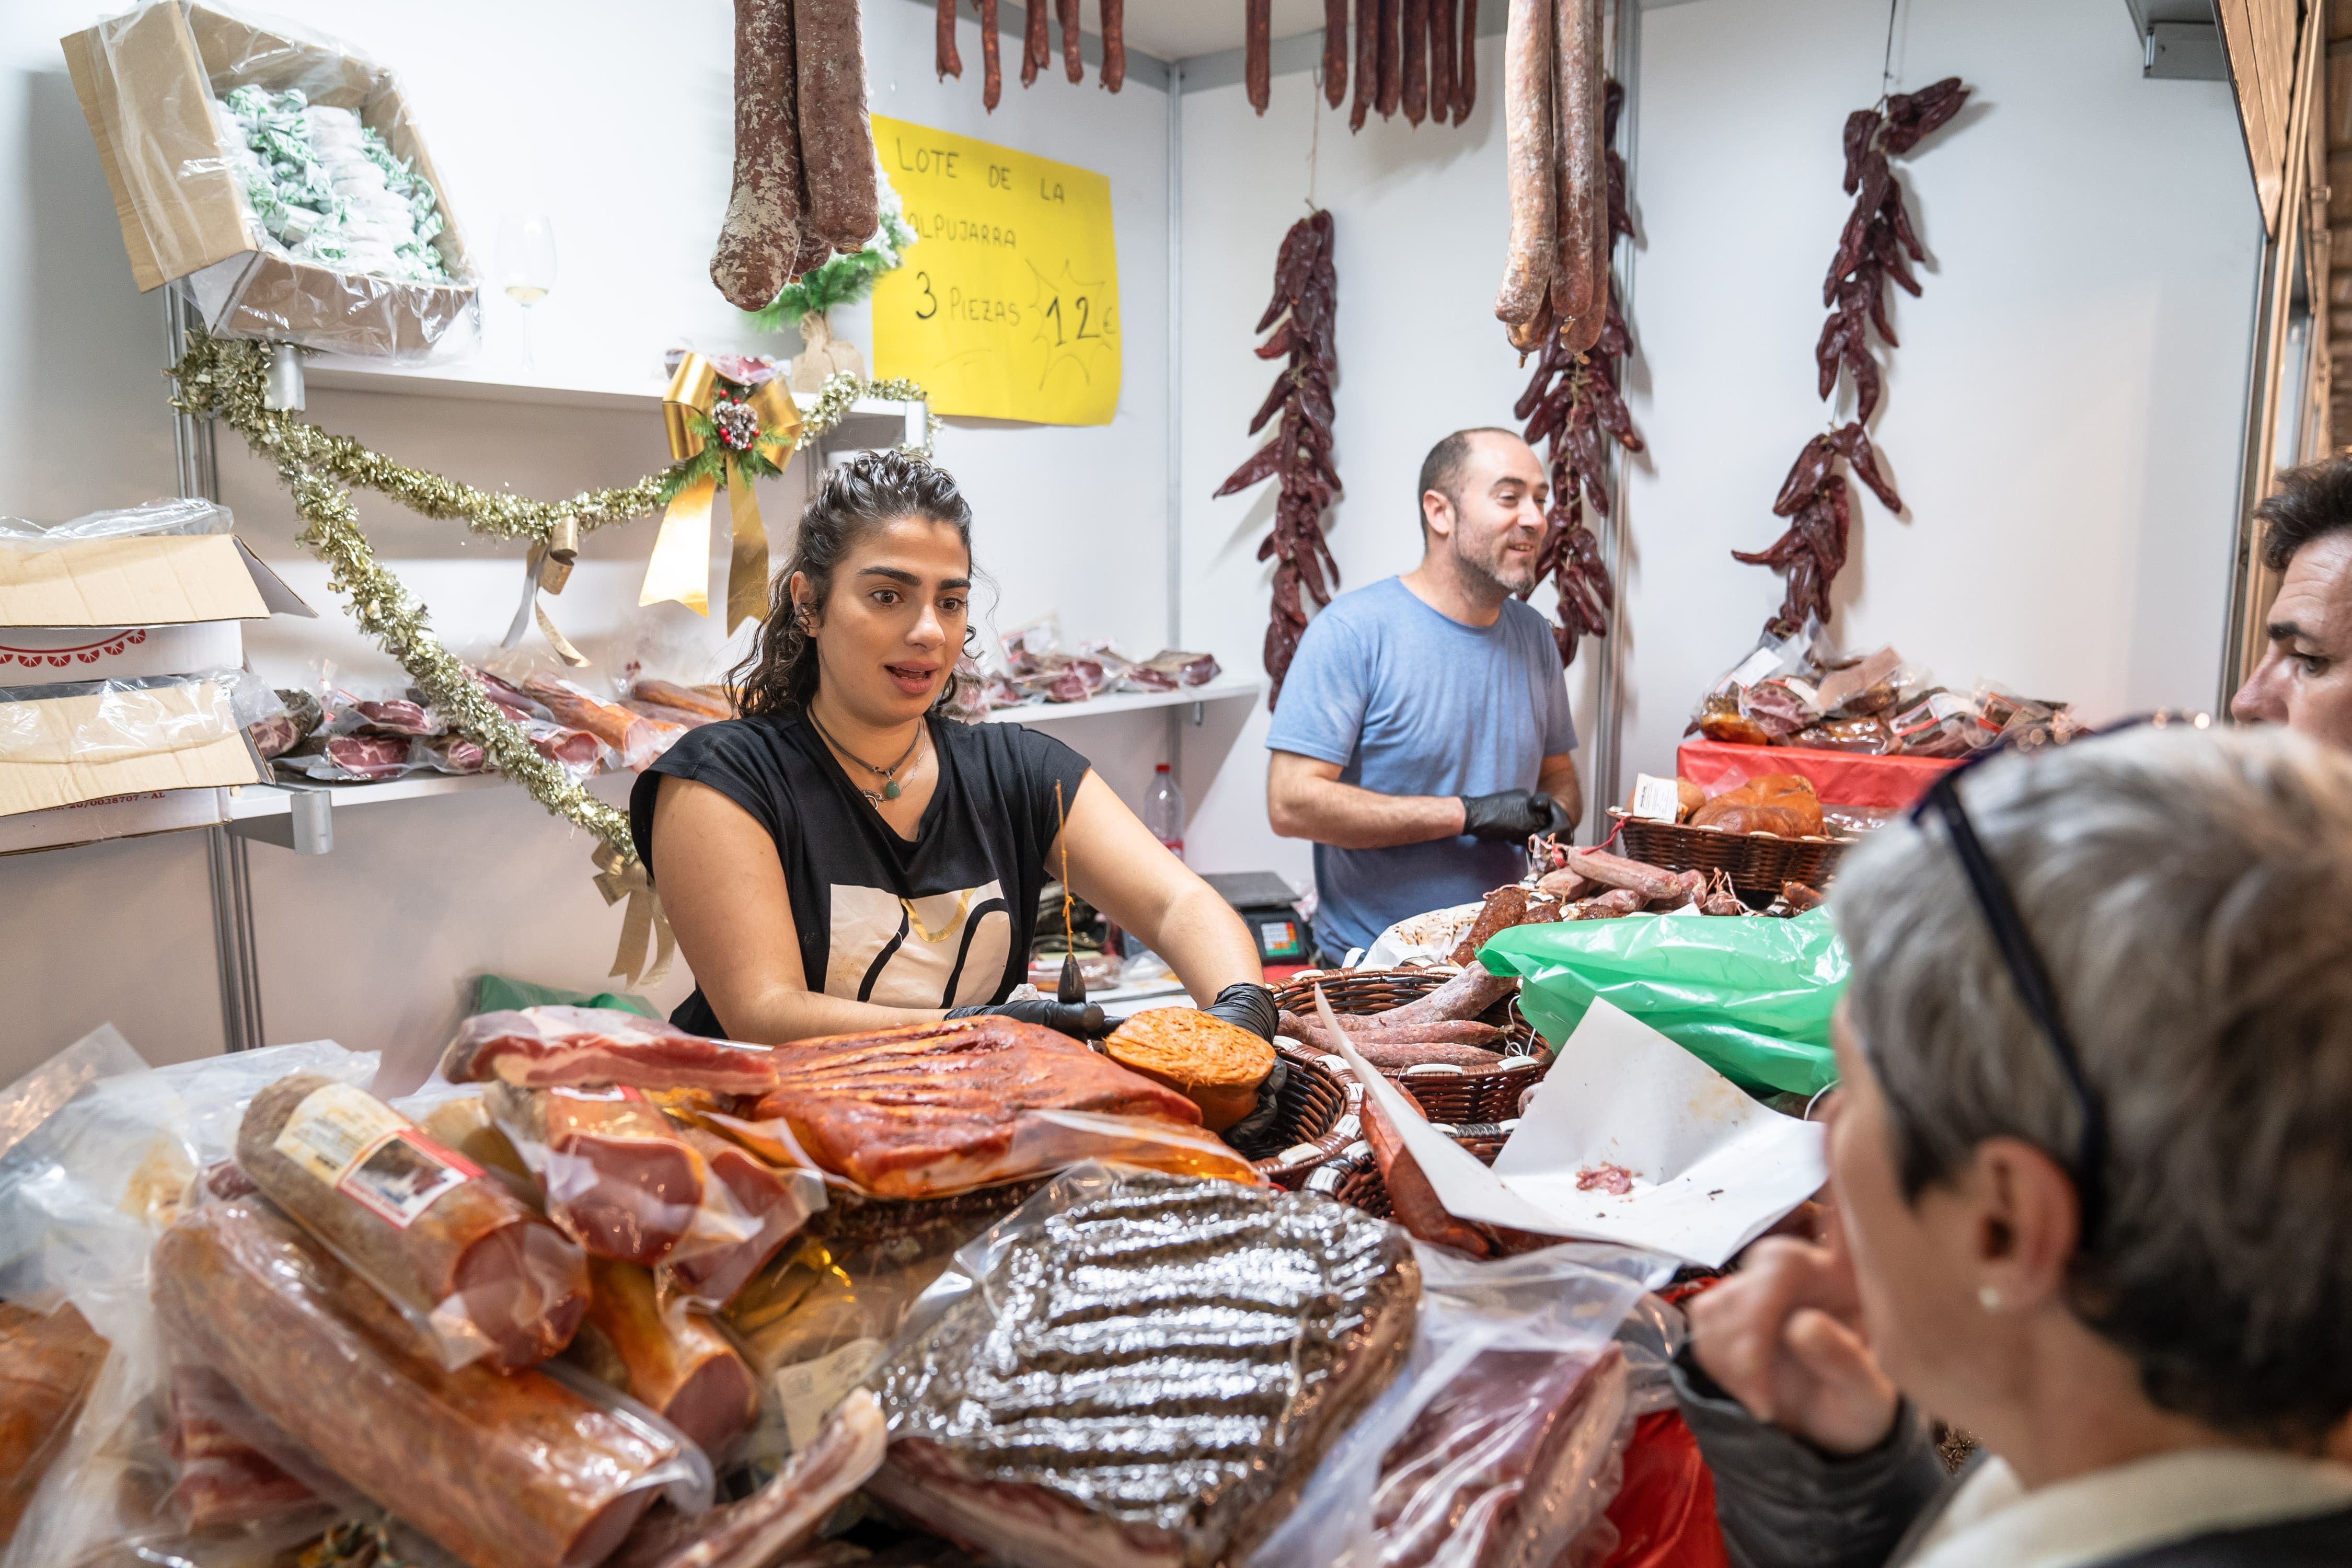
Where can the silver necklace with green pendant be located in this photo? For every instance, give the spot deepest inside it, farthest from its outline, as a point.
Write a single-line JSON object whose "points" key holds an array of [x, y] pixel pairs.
{"points": [[889, 790]]}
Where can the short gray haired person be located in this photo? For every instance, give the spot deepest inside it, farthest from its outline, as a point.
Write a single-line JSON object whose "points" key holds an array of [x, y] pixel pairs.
{"points": [[2090, 1164]]}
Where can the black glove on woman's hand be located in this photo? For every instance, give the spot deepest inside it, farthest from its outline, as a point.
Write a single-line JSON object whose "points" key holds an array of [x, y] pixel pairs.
{"points": [[1079, 1020], [1247, 1004], [1512, 813]]}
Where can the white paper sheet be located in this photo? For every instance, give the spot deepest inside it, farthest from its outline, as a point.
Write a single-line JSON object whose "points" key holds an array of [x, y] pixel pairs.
{"points": [[1712, 1169]]}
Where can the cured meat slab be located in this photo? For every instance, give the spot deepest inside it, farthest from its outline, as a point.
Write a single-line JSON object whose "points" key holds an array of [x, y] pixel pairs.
{"points": [[934, 1107], [505, 1471], [1148, 1377], [48, 1362], [556, 1047]]}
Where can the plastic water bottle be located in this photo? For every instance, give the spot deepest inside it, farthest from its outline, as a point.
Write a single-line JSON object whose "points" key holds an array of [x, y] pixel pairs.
{"points": [[1163, 811]]}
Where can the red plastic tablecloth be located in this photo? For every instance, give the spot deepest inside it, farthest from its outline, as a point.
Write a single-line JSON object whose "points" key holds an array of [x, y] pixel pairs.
{"points": [[1664, 1513], [1842, 778]]}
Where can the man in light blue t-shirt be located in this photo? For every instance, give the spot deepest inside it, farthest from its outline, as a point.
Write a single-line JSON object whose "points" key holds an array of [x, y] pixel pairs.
{"points": [[1424, 732]]}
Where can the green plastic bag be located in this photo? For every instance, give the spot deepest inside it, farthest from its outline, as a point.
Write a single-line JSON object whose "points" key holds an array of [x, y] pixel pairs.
{"points": [[1751, 998], [498, 993]]}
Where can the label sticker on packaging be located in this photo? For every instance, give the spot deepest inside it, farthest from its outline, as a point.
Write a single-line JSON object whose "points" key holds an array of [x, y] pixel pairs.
{"points": [[610, 1094], [1754, 667], [371, 1154], [809, 1390], [1656, 799]]}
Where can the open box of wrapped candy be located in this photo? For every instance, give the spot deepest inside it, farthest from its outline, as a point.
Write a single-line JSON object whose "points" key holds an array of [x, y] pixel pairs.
{"points": [[283, 176]]}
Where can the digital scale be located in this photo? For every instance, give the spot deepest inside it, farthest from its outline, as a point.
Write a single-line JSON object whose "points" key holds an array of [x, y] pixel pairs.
{"points": [[1270, 908]]}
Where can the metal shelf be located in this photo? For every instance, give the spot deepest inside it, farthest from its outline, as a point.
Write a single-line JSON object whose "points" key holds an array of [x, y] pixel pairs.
{"points": [[1126, 702], [336, 372]]}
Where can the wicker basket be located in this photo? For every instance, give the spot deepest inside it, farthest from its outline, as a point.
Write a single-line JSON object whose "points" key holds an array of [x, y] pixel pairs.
{"points": [[1318, 1116], [1756, 862], [1482, 1096], [1353, 1177]]}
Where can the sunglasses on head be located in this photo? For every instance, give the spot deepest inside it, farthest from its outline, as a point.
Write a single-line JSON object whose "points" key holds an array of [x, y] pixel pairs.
{"points": [[2027, 972]]}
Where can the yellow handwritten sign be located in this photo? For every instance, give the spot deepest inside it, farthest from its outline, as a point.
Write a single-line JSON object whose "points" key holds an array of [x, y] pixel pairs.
{"points": [[1007, 307]]}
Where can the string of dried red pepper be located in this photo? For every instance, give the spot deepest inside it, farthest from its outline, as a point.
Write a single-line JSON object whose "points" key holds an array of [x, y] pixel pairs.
{"points": [[1573, 400], [1877, 243], [1306, 298]]}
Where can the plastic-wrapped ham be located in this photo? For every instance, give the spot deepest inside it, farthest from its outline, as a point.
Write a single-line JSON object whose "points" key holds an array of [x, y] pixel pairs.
{"points": [[448, 1245], [504, 1469], [620, 1178], [547, 1048], [48, 1362]]}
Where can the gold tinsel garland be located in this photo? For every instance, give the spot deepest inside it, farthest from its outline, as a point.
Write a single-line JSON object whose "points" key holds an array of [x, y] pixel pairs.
{"points": [[224, 378]]}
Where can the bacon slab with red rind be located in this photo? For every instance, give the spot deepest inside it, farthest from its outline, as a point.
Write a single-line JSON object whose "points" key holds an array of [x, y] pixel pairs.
{"points": [[562, 1047]]}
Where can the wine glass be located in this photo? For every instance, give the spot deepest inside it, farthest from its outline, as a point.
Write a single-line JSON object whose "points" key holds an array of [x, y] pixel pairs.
{"points": [[526, 269]]}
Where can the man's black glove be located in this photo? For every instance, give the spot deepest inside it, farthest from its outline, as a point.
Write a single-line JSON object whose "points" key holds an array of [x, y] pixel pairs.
{"points": [[1249, 1005], [1079, 1020], [1513, 813]]}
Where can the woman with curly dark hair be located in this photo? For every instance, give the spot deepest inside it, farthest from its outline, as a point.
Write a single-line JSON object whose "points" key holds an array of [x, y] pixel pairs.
{"points": [[845, 854]]}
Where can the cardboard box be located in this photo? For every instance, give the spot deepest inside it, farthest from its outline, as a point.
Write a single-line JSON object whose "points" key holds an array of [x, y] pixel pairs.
{"points": [[58, 750], [36, 656], [142, 580], [146, 82], [117, 817]]}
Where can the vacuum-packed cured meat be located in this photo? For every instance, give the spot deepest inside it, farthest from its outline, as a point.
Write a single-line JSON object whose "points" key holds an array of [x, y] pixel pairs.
{"points": [[445, 1240], [1204, 1344], [48, 1362], [686, 699], [777, 1207], [1504, 1468], [547, 1048], [764, 1530], [221, 1478], [760, 235], [621, 1178], [505, 1470], [673, 1362], [1305, 302], [933, 1107]]}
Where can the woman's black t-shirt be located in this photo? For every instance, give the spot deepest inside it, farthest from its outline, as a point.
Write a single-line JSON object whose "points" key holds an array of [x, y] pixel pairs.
{"points": [[942, 921]]}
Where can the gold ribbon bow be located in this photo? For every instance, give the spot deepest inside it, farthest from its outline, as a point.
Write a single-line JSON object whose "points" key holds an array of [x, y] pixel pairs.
{"points": [[641, 923], [680, 567]]}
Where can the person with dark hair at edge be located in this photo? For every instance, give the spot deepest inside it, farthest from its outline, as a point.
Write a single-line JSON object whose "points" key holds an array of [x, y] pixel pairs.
{"points": [[1423, 731], [845, 854], [2305, 681]]}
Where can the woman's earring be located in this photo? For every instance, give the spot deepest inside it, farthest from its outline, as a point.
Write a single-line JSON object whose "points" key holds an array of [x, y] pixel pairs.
{"points": [[1989, 1299]]}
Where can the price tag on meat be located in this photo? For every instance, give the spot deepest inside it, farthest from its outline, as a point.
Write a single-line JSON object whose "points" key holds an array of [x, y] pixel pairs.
{"points": [[1007, 305]]}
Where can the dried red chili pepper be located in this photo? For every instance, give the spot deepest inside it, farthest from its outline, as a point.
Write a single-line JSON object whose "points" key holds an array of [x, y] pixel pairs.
{"points": [[1571, 401], [1877, 243], [1306, 297]]}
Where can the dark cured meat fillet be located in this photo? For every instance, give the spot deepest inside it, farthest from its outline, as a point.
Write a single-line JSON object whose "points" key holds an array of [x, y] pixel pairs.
{"points": [[1148, 1377], [555, 1047]]}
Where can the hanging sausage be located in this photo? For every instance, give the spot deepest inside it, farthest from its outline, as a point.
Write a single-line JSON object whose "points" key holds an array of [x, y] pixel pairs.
{"points": [[1572, 401]]}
